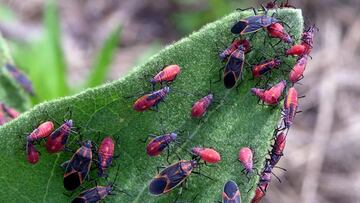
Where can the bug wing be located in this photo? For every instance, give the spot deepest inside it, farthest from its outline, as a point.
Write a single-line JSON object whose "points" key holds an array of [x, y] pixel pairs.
{"points": [[239, 27], [90, 195], [232, 71]]}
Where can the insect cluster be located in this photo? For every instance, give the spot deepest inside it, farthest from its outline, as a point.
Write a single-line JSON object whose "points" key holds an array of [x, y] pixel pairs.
{"points": [[77, 169]]}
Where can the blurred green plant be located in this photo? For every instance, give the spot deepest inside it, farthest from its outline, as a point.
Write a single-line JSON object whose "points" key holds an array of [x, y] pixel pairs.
{"points": [[45, 64]]}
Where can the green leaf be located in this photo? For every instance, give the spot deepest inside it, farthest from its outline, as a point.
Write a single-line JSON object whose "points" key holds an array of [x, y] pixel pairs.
{"points": [[102, 63], [236, 122], [10, 92]]}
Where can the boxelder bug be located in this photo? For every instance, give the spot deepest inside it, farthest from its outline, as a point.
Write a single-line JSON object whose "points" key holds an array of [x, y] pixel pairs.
{"points": [[253, 23], [296, 50], [57, 140], [78, 167], [97, 193], [171, 177], [290, 107], [105, 154], [246, 159], [157, 145], [200, 107], [231, 193], [224, 55], [307, 38], [208, 155], [21, 78], [11, 112], [273, 5], [259, 193], [2, 116], [278, 148], [31, 153], [270, 96], [265, 67], [297, 73], [234, 67], [167, 74], [42, 131], [276, 30], [150, 100]]}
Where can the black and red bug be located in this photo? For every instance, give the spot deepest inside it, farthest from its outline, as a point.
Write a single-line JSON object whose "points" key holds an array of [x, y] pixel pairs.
{"points": [[159, 143], [253, 23], [278, 148], [148, 101], [98, 193], [245, 157], [208, 155], [78, 167], [58, 139], [167, 74], [11, 112], [267, 66], [171, 177], [273, 4], [105, 154], [234, 67], [307, 38], [272, 95], [277, 30], [201, 106], [259, 192], [231, 193], [32, 154], [297, 72], [42, 131], [224, 55], [20, 78], [290, 107]]}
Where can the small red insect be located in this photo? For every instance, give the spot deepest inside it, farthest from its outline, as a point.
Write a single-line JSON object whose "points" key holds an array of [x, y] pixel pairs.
{"points": [[290, 107], [307, 38], [276, 30], [2, 116], [150, 100], [259, 193], [208, 155], [234, 45], [157, 145], [272, 95], [11, 112], [262, 68], [57, 140], [42, 131], [200, 107], [105, 154], [296, 50], [273, 5], [167, 74], [31, 153], [246, 159], [297, 73], [278, 148]]}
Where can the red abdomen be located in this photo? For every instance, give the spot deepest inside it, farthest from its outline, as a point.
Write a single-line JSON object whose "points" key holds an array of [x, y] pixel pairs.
{"points": [[57, 140], [296, 50], [200, 107], [207, 154], [106, 153], [169, 73], [143, 103], [297, 72], [44, 130], [32, 154]]}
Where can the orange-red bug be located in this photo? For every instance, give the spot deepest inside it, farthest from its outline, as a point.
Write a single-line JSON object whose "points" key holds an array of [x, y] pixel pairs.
{"points": [[105, 154], [157, 145], [272, 95], [200, 107], [224, 55], [290, 107], [42, 131], [297, 73], [32, 154], [307, 38], [231, 193], [246, 159], [278, 148], [151, 100], [265, 67], [276, 30], [167, 74], [259, 193], [209, 155], [296, 50], [78, 167], [57, 139], [11, 112]]}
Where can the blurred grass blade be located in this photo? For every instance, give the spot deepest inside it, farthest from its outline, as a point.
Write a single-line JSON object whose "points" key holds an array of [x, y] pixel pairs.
{"points": [[52, 24], [102, 64]]}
